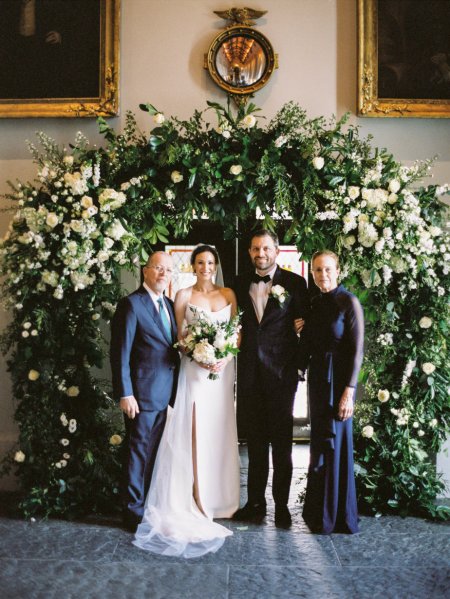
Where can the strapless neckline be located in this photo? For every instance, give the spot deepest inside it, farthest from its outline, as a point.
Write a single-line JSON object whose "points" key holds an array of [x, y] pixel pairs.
{"points": [[206, 309]]}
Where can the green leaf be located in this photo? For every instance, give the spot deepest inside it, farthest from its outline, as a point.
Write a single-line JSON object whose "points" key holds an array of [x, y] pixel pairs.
{"points": [[148, 108]]}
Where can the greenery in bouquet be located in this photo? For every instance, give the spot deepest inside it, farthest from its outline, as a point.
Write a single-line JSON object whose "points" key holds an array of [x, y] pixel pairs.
{"points": [[207, 341], [94, 211]]}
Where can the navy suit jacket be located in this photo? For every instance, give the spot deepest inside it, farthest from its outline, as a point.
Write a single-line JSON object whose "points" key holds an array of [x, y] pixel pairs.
{"points": [[271, 343], [144, 362]]}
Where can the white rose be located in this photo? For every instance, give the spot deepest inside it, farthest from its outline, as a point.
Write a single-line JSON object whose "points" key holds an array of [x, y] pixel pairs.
{"points": [[19, 456], [86, 202], [383, 395], [349, 241], [280, 141], [116, 230], [64, 442], [63, 419], [392, 198], [433, 422], [353, 192], [425, 322], [394, 185], [318, 162], [25, 334], [204, 353], [115, 440], [68, 160], [27, 325], [33, 375], [235, 169], [368, 431], [52, 219], [420, 433], [73, 391], [103, 256], [176, 177], [159, 118], [95, 316], [428, 368], [226, 134], [108, 242], [248, 121], [220, 340], [435, 231]]}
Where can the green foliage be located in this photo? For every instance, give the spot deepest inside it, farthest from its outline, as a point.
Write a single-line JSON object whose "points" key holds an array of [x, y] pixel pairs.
{"points": [[97, 210]]}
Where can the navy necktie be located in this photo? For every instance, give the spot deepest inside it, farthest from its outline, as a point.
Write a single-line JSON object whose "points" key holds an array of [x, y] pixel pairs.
{"points": [[164, 320]]}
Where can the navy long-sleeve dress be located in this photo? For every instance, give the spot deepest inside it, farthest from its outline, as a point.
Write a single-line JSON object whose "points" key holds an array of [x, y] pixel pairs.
{"points": [[332, 344]]}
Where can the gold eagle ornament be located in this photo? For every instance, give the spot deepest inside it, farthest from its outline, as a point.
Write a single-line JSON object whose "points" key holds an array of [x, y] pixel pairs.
{"points": [[240, 16]]}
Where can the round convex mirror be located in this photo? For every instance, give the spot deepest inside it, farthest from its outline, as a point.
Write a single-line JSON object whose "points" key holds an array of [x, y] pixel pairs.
{"points": [[240, 60]]}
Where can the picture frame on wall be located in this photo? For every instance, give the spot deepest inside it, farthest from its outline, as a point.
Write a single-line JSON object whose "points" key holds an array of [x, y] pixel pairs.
{"points": [[404, 58], [59, 58]]}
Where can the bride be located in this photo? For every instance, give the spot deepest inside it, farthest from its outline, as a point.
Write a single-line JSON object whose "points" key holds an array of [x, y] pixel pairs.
{"points": [[196, 474]]}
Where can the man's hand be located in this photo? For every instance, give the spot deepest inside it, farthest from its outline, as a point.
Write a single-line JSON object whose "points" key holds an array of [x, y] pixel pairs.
{"points": [[129, 406], [299, 323]]}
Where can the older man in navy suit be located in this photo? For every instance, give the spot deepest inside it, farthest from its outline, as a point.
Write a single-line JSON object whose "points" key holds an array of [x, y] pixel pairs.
{"points": [[274, 303], [144, 372]]}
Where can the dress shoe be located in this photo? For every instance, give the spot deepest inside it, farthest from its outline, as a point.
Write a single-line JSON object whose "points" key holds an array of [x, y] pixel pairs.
{"points": [[283, 517], [130, 522], [251, 513]]}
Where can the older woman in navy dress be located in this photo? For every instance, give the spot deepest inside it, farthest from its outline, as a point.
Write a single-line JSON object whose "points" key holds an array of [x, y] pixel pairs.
{"points": [[332, 346]]}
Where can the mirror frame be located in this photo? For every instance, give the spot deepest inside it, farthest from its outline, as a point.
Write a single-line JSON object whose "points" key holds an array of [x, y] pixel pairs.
{"points": [[249, 33]]}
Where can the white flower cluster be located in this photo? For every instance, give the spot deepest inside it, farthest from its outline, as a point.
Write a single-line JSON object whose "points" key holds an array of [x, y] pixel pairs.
{"points": [[382, 219], [70, 228], [385, 339]]}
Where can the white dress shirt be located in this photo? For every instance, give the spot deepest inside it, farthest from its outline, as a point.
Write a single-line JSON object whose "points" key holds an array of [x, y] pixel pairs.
{"points": [[259, 293]]}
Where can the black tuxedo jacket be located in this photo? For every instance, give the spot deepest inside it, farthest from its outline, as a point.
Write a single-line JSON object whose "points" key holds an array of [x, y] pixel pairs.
{"points": [[271, 346]]}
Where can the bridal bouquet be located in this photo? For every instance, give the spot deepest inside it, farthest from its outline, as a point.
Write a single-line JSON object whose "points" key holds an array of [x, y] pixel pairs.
{"points": [[207, 342]]}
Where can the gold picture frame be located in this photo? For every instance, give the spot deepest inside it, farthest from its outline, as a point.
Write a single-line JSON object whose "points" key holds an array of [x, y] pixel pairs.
{"points": [[401, 74], [87, 85]]}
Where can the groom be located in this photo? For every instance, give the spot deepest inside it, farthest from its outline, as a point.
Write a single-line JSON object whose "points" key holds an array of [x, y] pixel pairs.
{"points": [[144, 372], [272, 299]]}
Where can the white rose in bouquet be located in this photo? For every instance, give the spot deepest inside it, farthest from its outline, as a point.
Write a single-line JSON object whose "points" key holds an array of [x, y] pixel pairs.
{"points": [[204, 353], [220, 341]]}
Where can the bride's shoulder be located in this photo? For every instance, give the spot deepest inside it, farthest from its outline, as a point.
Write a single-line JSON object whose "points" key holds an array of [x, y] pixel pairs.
{"points": [[182, 296], [228, 293]]}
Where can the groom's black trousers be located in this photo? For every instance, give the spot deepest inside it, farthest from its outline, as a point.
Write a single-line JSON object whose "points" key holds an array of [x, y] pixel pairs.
{"points": [[269, 421]]}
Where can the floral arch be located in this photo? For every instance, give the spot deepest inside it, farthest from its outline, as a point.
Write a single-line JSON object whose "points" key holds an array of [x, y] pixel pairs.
{"points": [[94, 211]]}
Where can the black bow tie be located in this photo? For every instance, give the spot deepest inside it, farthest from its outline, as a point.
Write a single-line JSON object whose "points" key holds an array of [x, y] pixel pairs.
{"points": [[258, 278]]}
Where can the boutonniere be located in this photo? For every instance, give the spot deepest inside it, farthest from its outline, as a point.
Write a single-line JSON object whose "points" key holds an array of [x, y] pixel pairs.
{"points": [[279, 293]]}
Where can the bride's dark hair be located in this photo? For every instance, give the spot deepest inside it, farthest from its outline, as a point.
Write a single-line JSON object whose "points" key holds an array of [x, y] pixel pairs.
{"points": [[204, 248]]}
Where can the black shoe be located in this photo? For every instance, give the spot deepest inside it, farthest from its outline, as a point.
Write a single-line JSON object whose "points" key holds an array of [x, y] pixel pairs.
{"points": [[251, 513], [130, 522], [283, 517]]}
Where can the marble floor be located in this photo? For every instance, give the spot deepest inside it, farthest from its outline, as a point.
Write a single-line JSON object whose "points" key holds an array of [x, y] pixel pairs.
{"points": [[391, 558]]}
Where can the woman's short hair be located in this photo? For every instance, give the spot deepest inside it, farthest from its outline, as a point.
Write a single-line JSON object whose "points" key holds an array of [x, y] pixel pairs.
{"points": [[204, 248], [325, 253]]}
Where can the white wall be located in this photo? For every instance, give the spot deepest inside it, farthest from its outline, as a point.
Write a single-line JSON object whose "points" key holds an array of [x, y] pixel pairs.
{"points": [[162, 48]]}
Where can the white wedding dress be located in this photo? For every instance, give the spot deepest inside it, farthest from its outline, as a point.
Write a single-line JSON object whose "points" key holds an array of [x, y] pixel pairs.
{"points": [[173, 524]]}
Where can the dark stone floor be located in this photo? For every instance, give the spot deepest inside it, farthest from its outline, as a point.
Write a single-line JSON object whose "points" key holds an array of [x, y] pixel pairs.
{"points": [[391, 558]]}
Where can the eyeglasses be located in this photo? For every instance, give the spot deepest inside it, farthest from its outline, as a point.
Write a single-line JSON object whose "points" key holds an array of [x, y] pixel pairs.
{"points": [[161, 269]]}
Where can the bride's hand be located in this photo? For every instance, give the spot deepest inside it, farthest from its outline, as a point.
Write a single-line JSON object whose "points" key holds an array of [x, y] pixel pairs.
{"points": [[220, 364]]}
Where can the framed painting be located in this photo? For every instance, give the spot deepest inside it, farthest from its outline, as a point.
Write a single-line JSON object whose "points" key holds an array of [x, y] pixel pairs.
{"points": [[404, 58], [59, 58]]}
